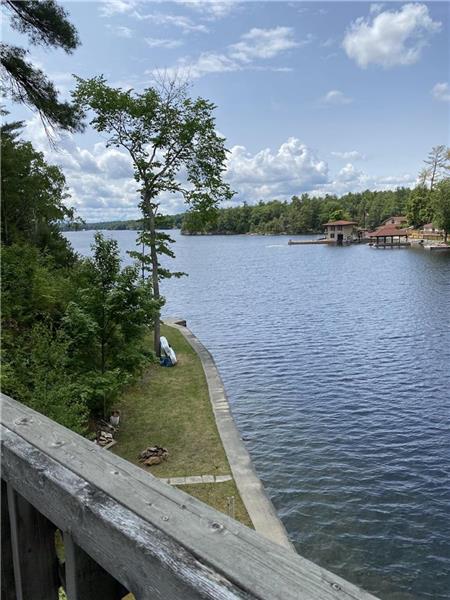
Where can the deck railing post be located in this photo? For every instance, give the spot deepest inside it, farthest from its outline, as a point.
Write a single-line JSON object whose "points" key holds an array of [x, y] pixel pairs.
{"points": [[86, 579], [33, 551], [8, 589]]}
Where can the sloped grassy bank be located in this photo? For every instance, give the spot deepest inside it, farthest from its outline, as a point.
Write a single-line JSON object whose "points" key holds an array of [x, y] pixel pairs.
{"points": [[170, 407]]}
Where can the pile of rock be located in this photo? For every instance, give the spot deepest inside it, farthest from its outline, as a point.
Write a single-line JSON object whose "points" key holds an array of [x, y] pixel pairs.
{"points": [[105, 434], [104, 438], [153, 455]]}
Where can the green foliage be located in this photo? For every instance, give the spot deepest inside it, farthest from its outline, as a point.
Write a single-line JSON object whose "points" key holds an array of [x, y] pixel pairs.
{"points": [[161, 221], [36, 370], [46, 24], [440, 202], [165, 133], [419, 208], [305, 214], [33, 197], [73, 331], [106, 322]]}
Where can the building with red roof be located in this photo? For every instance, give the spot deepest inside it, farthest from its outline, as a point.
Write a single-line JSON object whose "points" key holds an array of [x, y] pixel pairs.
{"points": [[389, 235]]}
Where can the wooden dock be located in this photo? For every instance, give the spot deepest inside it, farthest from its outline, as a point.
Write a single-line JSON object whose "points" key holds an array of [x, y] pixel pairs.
{"points": [[391, 245], [307, 242]]}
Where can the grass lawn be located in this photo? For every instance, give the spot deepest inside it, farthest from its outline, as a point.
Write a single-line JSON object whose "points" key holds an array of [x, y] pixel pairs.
{"points": [[170, 407]]}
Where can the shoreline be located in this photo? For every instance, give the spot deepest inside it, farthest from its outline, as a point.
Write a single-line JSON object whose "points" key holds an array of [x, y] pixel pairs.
{"points": [[259, 507]]}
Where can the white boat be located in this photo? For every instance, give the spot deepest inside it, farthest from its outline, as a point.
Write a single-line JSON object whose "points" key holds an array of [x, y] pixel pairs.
{"points": [[167, 351]]}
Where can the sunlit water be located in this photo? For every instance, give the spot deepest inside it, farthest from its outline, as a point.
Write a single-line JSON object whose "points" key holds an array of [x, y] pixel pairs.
{"points": [[337, 366]]}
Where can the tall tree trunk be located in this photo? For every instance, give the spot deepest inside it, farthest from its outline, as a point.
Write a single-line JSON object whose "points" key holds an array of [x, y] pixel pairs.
{"points": [[155, 279]]}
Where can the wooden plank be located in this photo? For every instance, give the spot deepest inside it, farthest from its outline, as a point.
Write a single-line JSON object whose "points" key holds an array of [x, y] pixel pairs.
{"points": [[253, 563], [8, 587], [33, 550], [144, 559], [86, 579]]}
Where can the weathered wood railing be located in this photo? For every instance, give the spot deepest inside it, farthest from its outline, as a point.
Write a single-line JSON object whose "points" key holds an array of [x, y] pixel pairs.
{"points": [[124, 530]]}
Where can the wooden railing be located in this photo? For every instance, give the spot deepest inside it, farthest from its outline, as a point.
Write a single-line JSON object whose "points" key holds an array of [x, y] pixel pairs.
{"points": [[124, 530]]}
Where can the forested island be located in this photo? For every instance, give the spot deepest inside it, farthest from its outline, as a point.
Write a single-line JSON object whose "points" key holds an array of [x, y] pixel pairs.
{"points": [[162, 222]]}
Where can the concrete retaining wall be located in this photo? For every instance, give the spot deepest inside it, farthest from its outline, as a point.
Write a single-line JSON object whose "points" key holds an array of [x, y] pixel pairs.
{"points": [[258, 505]]}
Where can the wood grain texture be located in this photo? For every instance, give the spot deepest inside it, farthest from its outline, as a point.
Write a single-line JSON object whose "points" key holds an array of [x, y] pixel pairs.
{"points": [[85, 579], [8, 589], [33, 550], [162, 543]]}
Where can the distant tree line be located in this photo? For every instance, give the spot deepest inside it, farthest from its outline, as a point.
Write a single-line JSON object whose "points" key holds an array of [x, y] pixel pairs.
{"points": [[162, 222], [303, 214], [428, 202]]}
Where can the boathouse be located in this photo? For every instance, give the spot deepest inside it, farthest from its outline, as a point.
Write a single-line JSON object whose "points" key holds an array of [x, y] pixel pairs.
{"points": [[389, 236], [341, 231]]}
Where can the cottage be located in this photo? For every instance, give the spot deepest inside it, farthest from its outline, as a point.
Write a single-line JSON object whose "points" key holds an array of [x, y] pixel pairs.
{"points": [[341, 231], [430, 231], [397, 221]]}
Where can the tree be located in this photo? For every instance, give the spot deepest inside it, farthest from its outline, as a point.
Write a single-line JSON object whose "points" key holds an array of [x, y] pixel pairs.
{"points": [[167, 135], [418, 206], [438, 162], [46, 24], [441, 205], [33, 197], [106, 322]]}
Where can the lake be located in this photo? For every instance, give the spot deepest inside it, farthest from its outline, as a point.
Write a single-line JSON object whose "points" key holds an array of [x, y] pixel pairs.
{"points": [[336, 361]]}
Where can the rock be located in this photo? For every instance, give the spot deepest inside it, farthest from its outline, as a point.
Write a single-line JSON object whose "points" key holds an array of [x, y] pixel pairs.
{"points": [[153, 460]]}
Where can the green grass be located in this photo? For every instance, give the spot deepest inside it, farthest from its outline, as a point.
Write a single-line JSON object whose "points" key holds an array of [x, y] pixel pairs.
{"points": [[216, 495], [170, 407]]}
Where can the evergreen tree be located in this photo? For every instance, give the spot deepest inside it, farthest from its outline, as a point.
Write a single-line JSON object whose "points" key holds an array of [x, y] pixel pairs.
{"points": [[46, 24]]}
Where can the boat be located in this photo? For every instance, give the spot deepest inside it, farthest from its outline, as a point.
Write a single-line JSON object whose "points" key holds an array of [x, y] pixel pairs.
{"points": [[167, 351]]}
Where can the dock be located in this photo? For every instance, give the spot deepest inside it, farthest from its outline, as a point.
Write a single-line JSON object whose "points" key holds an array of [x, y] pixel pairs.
{"points": [[390, 245], [306, 242]]}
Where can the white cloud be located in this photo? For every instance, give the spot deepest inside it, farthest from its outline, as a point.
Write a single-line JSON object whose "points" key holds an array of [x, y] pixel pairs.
{"points": [[263, 43], [441, 91], [376, 8], [108, 8], [102, 186], [336, 97], [328, 43], [351, 179], [211, 9], [205, 64], [257, 44], [186, 24], [349, 155], [132, 8], [120, 31], [391, 38], [163, 43], [268, 174]]}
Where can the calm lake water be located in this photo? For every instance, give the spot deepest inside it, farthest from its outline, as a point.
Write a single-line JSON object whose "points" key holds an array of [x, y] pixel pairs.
{"points": [[337, 366]]}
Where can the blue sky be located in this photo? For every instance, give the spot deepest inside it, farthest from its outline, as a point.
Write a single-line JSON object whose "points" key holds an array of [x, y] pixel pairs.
{"points": [[319, 97]]}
